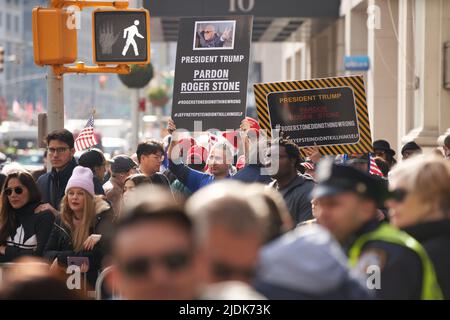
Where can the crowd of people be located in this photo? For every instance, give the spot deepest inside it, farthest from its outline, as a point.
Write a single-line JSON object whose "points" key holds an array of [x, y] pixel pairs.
{"points": [[200, 218]]}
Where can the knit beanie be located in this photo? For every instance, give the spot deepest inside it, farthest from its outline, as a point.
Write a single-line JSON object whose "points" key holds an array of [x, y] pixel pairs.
{"points": [[81, 178]]}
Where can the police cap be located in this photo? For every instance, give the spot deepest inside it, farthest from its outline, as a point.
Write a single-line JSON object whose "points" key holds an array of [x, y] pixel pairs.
{"points": [[334, 179]]}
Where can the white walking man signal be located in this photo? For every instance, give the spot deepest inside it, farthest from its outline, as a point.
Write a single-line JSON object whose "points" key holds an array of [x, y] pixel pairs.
{"points": [[130, 33]]}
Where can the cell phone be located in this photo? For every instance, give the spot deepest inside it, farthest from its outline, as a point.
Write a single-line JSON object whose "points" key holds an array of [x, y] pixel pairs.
{"points": [[77, 261]]}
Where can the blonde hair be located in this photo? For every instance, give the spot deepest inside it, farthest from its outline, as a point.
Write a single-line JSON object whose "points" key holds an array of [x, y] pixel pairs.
{"points": [[426, 177], [81, 233]]}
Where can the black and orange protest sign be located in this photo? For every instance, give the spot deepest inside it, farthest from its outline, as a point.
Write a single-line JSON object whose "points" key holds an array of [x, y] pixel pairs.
{"points": [[330, 113]]}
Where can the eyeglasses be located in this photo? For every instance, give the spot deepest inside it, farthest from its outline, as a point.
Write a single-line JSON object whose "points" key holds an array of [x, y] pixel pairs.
{"points": [[141, 266], [17, 190], [399, 194], [224, 271], [57, 150], [208, 31]]}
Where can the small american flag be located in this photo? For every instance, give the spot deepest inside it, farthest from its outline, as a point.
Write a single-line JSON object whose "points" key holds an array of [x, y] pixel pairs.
{"points": [[374, 169], [308, 165], [86, 138]]}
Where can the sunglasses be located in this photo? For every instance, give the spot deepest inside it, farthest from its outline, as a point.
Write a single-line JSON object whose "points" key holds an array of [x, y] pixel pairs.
{"points": [[142, 266], [224, 271], [399, 194], [17, 190], [57, 150]]}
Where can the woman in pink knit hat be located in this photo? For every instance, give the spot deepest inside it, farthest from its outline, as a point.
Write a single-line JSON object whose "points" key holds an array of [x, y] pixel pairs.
{"points": [[80, 232]]}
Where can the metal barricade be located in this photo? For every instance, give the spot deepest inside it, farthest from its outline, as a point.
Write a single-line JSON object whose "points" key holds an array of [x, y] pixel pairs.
{"points": [[99, 283]]}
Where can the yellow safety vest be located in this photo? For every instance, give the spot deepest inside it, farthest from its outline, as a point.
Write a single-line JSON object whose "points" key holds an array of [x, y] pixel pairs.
{"points": [[387, 233]]}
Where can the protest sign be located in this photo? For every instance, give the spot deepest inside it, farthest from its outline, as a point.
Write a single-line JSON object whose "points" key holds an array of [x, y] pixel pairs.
{"points": [[330, 113], [211, 72]]}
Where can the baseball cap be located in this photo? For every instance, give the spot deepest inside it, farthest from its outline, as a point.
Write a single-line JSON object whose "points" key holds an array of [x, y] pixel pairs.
{"points": [[333, 179], [91, 159], [122, 163]]}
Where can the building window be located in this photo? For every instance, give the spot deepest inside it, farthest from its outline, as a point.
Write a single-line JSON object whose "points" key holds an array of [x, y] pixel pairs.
{"points": [[8, 22], [8, 72], [16, 24]]}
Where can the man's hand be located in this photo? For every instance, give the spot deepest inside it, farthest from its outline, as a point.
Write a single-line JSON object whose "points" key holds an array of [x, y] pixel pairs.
{"points": [[226, 35], [171, 127], [2, 250], [45, 207], [91, 241], [244, 129], [245, 125], [313, 153]]}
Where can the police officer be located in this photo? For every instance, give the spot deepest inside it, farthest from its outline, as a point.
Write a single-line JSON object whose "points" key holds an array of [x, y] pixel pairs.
{"points": [[392, 263]]}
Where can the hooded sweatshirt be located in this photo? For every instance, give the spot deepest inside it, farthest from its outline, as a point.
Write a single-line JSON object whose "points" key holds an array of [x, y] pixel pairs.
{"points": [[306, 263]]}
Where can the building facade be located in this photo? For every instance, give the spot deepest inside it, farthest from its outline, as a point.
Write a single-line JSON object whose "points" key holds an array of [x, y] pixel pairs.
{"points": [[25, 82], [408, 45]]}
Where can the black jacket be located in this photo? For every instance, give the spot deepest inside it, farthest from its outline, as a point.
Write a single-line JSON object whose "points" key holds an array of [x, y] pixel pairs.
{"points": [[160, 179], [53, 184], [60, 244], [296, 196], [435, 238], [401, 268], [30, 235], [98, 187]]}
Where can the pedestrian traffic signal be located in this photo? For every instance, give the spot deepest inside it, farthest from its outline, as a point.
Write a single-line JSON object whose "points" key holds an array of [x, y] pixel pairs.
{"points": [[54, 41], [2, 58], [121, 36]]}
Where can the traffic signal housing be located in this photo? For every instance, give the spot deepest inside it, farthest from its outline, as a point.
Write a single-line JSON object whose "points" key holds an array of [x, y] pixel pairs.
{"points": [[121, 36], [54, 38]]}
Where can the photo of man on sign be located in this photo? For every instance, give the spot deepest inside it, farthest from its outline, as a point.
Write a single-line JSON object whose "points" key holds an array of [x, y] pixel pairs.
{"points": [[214, 35]]}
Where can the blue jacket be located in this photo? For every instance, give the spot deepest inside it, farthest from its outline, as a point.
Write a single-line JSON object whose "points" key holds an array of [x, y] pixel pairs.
{"points": [[252, 173], [191, 178]]}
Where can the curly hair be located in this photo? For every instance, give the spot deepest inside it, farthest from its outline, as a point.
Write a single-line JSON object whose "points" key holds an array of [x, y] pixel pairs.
{"points": [[291, 148]]}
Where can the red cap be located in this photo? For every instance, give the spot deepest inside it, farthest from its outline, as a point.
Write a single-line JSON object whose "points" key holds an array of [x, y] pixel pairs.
{"points": [[197, 153], [232, 137], [253, 123], [186, 144], [240, 162]]}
